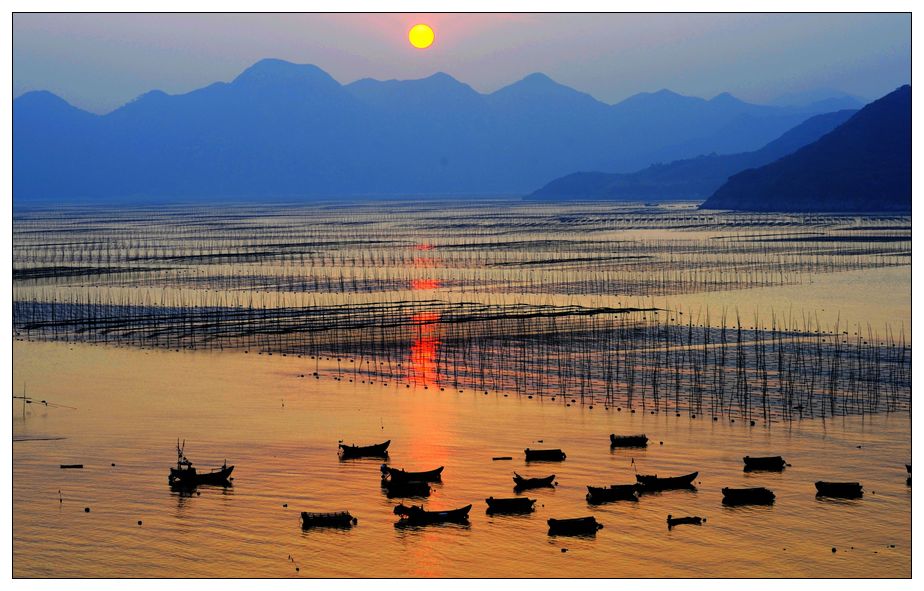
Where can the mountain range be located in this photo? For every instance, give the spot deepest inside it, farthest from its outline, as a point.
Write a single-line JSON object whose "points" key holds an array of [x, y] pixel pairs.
{"points": [[863, 165], [692, 178], [287, 130]]}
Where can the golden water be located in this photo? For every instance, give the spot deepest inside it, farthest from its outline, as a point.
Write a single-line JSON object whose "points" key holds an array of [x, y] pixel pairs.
{"points": [[281, 431]]}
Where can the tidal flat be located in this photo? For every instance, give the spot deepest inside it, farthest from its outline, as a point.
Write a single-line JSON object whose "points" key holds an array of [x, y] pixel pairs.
{"points": [[265, 335]]}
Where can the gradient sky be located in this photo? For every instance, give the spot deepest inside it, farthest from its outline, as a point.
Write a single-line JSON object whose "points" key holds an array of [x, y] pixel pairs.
{"points": [[98, 62]]}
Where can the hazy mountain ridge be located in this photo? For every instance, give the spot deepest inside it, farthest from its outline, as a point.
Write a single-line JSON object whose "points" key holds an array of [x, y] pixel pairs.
{"points": [[693, 178], [282, 129], [862, 165]]}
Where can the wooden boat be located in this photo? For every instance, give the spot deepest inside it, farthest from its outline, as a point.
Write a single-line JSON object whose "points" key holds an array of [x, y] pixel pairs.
{"points": [[406, 488], [399, 475], [510, 505], [748, 496], [526, 483], [544, 455], [767, 463], [338, 519], [628, 440], [415, 515], [844, 490], [579, 526], [655, 483], [616, 492], [675, 521], [186, 476], [377, 450]]}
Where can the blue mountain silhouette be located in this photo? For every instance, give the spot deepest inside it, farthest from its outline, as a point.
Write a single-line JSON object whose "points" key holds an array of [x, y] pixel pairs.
{"points": [[692, 178], [864, 165], [282, 130]]}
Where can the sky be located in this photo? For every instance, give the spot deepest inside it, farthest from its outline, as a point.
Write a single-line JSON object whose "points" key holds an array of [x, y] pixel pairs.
{"points": [[101, 61]]}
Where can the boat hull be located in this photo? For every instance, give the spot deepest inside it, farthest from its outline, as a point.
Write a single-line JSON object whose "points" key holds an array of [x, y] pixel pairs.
{"points": [[748, 496], [510, 505], [419, 516], [597, 495], [579, 526], [529, 483], [544, 455], [628, 440], [339, 519], [397, 475], [766, 464], [654, 483], [842, 490], [379, 450], [190, 478]]}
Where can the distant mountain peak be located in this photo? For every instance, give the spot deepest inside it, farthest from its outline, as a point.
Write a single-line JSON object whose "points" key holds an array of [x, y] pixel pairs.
{"points": [[45, 100], [539, 85], [538, 78], [725, 97], [272, 70]]}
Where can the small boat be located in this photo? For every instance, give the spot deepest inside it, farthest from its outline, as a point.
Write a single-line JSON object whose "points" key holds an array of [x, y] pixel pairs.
{"points": [[186, 476], [544, 455], [655, 483], [578, 526], [748, 496], [843, 490], [338, 519], [406, 488], [525, 483], [510, 505], [628, 440], [768, 463], [415, 515], [675, 521], [378, 450], [616, 492], [399, 475]]}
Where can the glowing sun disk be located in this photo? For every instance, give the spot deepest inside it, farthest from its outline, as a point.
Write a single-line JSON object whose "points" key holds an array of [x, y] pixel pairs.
{"points": [[420, 36]]}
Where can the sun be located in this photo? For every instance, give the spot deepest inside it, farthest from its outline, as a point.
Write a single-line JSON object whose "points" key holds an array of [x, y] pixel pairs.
{"points": [[420, 36]]}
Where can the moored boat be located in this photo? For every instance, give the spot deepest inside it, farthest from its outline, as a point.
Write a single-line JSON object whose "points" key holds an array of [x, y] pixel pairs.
{"points": [[615, 492], [510, 505], [578, 526], [377, 450], [527, 483], [399, 475], [628, 440], [653, 482], [185, 474], [417, 515], [844, 490], [544, 455], [336, 519], [675, 521], [767, 463], [748, 496]]}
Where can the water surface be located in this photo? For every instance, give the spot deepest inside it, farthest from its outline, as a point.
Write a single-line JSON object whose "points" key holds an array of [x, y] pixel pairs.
{"points": [[280, 430]]}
